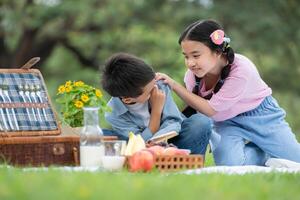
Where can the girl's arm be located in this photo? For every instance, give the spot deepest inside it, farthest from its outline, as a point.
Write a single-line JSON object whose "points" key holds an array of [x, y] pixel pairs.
{"points": [[198, 103]]}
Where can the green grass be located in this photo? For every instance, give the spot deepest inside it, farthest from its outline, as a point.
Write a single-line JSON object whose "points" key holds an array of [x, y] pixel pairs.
{"points": [[55, 184], [15, 183]]}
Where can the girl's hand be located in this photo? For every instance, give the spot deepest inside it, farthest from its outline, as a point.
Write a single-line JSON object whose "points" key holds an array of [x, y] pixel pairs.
{"points": [[166, 79]]}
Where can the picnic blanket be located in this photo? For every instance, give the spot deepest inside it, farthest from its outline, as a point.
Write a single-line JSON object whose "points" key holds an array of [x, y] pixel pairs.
{"points": [[273, 165], [240, 170], [229, 170]]}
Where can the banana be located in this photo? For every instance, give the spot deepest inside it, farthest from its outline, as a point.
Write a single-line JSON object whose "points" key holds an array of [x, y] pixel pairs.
{"points": [[139, 144], [130, 144], [135, 143]]}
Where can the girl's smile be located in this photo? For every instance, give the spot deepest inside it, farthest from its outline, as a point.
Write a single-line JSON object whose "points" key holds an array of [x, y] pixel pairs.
{"points": [[200, 59]]}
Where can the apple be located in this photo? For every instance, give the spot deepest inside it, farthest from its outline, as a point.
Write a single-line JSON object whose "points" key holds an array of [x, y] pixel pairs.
{"points": [[156, 150], [141, 161], [171, 151], [183, 152]]}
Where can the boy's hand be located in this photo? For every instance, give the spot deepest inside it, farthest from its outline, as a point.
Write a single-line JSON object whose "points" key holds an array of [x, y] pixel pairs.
{"points": [[157, 100]]}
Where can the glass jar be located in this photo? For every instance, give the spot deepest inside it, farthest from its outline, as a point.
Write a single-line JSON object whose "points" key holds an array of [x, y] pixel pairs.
{"points": [[91, 146]]}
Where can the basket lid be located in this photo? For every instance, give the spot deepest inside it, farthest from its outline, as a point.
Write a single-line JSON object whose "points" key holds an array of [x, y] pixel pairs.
{"points": [[25, 105]]}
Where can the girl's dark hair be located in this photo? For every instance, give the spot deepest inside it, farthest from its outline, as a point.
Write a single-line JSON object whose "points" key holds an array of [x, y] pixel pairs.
{"points": [[200, 31], [125, 75]]}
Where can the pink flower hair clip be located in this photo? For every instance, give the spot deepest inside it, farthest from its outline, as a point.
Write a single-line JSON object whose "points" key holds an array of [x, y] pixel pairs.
{"points": [[217, 37]]}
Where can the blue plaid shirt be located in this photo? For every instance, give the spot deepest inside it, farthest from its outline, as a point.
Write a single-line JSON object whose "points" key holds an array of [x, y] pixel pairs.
{"points": [[123, 121]]}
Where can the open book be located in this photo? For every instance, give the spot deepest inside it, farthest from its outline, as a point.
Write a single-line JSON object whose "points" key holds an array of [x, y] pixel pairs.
{"points": [[163, 137]]}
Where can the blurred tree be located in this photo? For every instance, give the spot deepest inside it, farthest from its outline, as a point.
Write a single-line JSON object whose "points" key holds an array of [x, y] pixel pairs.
{"points": [[74, 37], [269, 31], [90, 29], [93, 29]]}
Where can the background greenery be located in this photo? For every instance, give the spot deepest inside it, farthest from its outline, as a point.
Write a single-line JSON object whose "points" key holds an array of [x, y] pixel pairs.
{"points": [[73, 38]]}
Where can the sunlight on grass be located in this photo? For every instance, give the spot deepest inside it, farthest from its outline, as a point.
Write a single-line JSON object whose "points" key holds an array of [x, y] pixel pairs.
{"points": [[57, 184]]}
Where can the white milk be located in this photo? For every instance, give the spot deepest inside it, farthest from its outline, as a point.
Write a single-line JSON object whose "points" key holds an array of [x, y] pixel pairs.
{"points": [[91, 156], [113, 162]]}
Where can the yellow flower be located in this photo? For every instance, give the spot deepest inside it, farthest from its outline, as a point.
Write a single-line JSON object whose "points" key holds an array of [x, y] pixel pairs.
{"points": [[61, 89], [79, 83], [68, 83], [73, 96], [78, 104], [98, 93], [68, 89], [65, 115], [85, 98]]}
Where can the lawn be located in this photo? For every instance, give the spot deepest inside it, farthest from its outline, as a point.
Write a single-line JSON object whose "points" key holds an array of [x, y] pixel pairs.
{"points": [[53, 184]]}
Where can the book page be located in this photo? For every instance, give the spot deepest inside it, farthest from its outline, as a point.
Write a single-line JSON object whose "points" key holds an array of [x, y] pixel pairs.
{"points": [[163, 137]]}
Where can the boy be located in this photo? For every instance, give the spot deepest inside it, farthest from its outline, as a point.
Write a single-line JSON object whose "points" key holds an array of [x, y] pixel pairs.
{"points": [[143, 106]]}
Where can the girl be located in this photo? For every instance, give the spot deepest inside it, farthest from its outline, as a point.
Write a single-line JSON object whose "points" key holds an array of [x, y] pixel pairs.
{"points": [[227, 87]]}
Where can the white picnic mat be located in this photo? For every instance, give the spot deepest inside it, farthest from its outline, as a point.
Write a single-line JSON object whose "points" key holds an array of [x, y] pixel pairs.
{"points": [[273, 165], [230, 170], [240, 170], [276, 165]]}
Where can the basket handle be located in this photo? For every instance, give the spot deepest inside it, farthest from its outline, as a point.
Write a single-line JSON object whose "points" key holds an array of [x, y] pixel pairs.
{"points": [[30, 63]]}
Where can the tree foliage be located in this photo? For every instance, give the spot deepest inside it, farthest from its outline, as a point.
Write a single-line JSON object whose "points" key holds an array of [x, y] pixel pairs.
{"points": [[74, 37]]}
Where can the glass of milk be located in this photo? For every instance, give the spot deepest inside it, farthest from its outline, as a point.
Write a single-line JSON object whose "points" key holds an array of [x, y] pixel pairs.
{"points": [[113, 158]]}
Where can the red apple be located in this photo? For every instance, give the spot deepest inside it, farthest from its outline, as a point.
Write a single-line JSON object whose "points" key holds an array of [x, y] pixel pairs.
{"points": [[171, 151], [183, 152], [141, 161], [156, 150]]}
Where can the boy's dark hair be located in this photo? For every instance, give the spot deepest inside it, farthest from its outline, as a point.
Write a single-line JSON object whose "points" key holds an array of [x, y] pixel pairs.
{"points": [[200, 31], [125, 75]]}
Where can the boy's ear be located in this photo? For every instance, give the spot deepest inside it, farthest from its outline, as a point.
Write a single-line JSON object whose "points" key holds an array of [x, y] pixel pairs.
{"points": [[126, 100]]}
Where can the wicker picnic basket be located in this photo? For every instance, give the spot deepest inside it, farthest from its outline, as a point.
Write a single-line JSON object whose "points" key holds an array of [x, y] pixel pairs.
{"points": [[40, 150], [61, 150], [29, 129]]}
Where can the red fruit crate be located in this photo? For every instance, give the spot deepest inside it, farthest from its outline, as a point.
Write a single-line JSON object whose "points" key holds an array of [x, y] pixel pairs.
{"points": [[165, 163]]}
